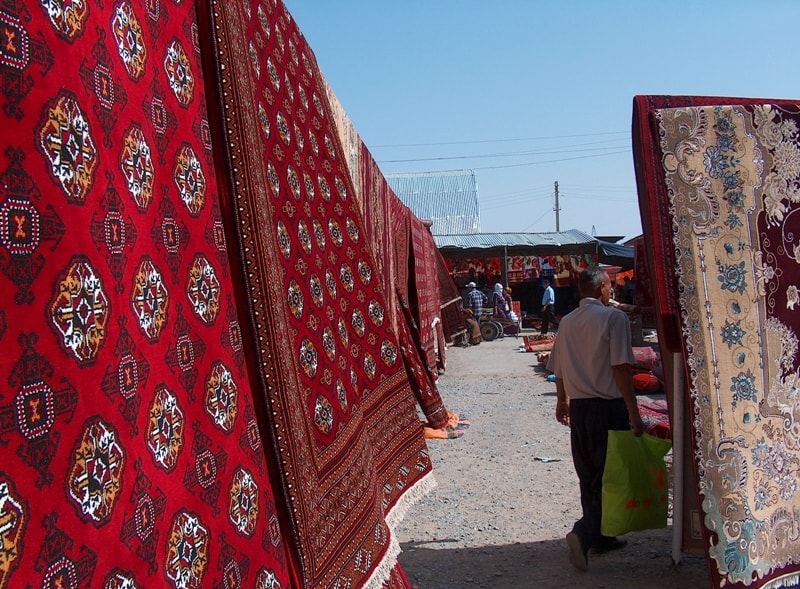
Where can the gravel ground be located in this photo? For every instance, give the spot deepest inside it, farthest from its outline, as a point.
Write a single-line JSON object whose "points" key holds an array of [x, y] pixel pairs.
{"points": [[507, 493]]}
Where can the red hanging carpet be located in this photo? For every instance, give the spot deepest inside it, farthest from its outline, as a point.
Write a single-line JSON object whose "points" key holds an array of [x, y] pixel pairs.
{"points": [[343, 418], [131, 449], [200, 384], [418, 296], [408, 264], [719, 180]]}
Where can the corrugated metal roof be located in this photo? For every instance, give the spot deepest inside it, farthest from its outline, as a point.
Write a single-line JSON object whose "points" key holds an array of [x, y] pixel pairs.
{"points": [[570, 242], [487, 240], [449, 199]]}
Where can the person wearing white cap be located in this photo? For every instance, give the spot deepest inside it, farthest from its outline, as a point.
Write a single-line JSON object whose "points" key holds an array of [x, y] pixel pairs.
{"points": [[476, 300]]}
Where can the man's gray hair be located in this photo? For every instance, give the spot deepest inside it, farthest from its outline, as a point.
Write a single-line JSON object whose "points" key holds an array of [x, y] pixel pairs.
{"points": [[590, 280]]}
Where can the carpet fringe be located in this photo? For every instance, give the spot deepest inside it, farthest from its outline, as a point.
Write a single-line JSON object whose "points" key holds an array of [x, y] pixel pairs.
{"points": [[393, 518], [783, 582], [410, 498], [384, 568]]}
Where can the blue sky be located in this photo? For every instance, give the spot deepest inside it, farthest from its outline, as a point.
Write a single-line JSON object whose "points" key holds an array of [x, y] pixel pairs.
{"points": [[528, 92]]}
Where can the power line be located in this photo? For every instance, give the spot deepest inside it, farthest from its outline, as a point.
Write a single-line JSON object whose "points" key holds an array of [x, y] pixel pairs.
{"points": [[514, 201], [604, 199], [547, 191], [477, 141], [602, 193], [507, 154], [542, 216], [543, 193], [565, 159], [593, 189], [593, 186], [526, 193]]}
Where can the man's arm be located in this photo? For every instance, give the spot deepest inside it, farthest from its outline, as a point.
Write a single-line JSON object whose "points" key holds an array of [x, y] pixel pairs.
{"points": [[623, 376], [562, 404]]}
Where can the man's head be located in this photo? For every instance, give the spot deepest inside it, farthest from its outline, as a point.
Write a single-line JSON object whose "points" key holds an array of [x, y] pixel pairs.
{"points": [[595, 282], [470, 285], [546, 282]]}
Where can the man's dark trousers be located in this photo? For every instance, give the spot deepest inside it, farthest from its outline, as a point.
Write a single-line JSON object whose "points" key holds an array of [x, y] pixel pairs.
{"points": [[590, 420]]}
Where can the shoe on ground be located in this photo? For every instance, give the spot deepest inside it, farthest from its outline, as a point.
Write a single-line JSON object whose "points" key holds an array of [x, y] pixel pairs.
{"points": [[577, 554], [608, 544]]}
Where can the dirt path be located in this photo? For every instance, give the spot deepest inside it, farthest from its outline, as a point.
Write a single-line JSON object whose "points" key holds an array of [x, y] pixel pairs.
{"points": [[507, 493]]}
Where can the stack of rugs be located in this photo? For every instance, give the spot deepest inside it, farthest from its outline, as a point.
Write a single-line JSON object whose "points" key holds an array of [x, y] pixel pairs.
{"points": [[655, 415], [540, 344], [204, 383], [719, 190]]}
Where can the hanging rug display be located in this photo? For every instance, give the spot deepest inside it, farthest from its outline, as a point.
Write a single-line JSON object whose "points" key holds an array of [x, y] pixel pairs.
{"points": [[725, 175]]}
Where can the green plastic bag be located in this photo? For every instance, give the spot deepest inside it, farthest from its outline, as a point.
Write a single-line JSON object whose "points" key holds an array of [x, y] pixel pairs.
{"points": [[635, 485]]}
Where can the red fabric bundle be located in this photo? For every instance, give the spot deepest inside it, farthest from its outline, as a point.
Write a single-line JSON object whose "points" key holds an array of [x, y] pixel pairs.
{"points": [[646, 382]]}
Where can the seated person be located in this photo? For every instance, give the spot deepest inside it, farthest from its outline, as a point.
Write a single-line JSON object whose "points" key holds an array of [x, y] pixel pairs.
{"points": [[473, 328]]}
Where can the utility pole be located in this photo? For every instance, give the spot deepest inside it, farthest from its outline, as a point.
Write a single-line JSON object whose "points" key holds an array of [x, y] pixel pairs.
{"points": [[557, 209]]}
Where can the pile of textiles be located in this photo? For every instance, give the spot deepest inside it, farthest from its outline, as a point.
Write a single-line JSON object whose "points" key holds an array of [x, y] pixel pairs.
{"points": [[646, 383], [647, 370], [538, 342], [645, 359], [655, 415]]}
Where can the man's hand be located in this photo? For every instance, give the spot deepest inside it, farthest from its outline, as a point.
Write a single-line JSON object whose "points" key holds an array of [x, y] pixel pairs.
{"points": [[637, 425], [562, 412], [623, 376], [562, 402]]}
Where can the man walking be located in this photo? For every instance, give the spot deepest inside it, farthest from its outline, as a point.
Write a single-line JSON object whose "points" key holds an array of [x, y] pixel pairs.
{"points": [[592, 359], [548, 301]]}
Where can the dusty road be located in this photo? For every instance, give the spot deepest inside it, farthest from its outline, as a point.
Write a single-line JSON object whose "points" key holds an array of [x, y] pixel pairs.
{"points": [[507, 493]]}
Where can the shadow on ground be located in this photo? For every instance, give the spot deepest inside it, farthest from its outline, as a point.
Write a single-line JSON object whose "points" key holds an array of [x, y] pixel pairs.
{"points": [[541, 565]]}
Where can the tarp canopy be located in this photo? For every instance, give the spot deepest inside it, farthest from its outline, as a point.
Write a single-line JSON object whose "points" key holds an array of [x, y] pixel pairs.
{"points": [[615, 254], [562, 243], [492, 245]]}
